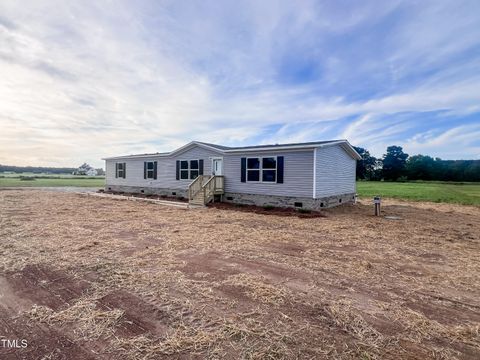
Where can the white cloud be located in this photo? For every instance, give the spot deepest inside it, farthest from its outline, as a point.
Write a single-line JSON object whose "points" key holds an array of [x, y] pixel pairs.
{"points": [[454, 142], [84, 80]]}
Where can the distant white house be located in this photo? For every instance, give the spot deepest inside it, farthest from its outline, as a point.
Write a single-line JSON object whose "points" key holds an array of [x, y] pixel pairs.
{"points": [[85, 169], [91, 172]]}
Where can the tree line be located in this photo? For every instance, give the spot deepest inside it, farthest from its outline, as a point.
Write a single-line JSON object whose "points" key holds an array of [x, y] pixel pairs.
{"points": [[396, 165], [41, 170], [35, 169]]}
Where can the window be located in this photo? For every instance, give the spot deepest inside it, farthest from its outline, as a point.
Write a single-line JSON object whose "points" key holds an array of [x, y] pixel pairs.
{"points": [[120, 170], [183, 169], [149, 170], [189, 169], [193, 169], [253, 169], [269, 169], [262, 169]]}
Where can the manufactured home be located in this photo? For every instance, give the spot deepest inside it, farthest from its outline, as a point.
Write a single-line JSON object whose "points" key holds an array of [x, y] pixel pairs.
{"points": [[310, 175]]}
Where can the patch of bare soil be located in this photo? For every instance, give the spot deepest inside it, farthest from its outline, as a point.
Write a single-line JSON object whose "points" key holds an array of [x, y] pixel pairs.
{"points": [[93, 278], [139, 317], [44, 286], [20, 291], [41, 342], [267, 210]]}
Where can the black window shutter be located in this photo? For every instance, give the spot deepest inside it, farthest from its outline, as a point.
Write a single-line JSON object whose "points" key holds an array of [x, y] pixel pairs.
{"points": [[155, 170], [200, 167], [280, 169], [243, 176], [144, 170], [124, 170], [116, 170], [178, 169]]}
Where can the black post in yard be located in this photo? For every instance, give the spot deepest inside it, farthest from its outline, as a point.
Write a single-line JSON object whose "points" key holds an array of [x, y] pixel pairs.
{"points": [[377, 201]]}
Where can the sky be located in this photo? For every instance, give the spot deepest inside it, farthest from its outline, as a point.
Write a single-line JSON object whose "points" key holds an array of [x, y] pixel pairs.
{"points": [[83, 80]]}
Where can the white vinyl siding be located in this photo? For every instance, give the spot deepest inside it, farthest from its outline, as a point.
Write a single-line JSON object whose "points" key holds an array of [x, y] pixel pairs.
{"points": [[297, 174], [166, 169], [335, 172]]}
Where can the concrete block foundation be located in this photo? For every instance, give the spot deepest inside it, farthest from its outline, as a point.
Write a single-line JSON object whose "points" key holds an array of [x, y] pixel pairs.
{"points": [[247, 199], [180, 193], [290, 201]]}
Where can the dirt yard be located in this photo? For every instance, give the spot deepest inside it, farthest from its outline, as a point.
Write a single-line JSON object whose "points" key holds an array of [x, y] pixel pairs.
{"points": [[93, 278]]}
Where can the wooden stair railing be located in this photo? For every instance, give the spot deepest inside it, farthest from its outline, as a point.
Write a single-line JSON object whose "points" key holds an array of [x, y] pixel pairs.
{"points": [[204, 193], [194, 187], [209, 190]]}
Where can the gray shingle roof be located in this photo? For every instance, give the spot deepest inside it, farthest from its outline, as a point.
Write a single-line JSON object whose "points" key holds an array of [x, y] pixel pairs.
{"points": [[219, 147], [223, 148], [306, 144]]}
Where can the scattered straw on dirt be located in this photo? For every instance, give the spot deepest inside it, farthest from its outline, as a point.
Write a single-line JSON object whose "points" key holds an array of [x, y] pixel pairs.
{"points": [[133, 280], [258, 288], [90, 322]]}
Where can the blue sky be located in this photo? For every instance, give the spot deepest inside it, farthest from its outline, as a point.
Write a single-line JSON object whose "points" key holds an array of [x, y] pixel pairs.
{"points": [[81, 80]]}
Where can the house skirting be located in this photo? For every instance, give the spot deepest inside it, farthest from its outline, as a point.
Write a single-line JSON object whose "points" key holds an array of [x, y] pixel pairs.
{"points": [[247, 199], [180, 193], [289, 201]]}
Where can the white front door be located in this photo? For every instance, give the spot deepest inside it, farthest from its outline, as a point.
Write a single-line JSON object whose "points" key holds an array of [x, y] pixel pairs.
{"points": [[217, 167]]}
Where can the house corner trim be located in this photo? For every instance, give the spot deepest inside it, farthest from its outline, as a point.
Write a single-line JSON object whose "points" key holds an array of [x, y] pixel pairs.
{"points": [[314, 173]]}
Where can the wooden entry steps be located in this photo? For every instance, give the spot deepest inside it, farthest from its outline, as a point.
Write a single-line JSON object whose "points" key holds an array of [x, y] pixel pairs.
{"points": [[203, 189]]}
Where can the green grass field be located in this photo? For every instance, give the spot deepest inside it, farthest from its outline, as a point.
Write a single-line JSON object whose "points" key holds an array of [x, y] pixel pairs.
{"points": [[43, 175], [459, 193], [50, 180]]}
